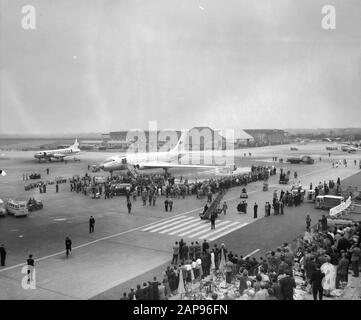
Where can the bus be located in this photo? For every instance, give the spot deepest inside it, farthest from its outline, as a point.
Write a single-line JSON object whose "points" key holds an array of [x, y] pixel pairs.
{"points": [[17, 208]]}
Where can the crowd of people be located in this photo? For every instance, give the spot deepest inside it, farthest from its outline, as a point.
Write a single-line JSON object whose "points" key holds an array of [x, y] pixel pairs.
{"points": [[275, 276]]}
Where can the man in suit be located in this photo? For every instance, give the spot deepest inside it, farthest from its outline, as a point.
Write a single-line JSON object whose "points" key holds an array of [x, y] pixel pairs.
{"points": [[255, 208], [316, 282], [213, 222], [2, 255], [91, 224], [67, 245], [287, 285]]}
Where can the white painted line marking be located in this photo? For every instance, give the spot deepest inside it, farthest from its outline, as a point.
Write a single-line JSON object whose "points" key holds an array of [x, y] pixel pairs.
{"points": [[251, 254], [194, 220], [205, 225], [60, 219], [170, 224], [207, 228], [213, 232], [160, 224], [188, 227], [95, 241], [228, 231]]}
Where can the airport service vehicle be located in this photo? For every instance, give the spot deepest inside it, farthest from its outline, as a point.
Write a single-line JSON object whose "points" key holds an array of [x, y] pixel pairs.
{"points": [[310, 195], [58, 154], [302, 159], [99, 180], [2, 208], [328, 201], [294, 149], [34, 205], [349, 149], [331, 148], [244, 194], [17, 208], [121, 188], [35, 176]]}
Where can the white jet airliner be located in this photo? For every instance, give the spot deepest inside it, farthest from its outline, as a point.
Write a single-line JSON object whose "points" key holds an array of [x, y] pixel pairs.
{"points": [[150, 160], [58, 154]]}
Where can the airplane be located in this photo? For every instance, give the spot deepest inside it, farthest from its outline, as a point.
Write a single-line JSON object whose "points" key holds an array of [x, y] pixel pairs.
{"points": [[150, 160], [349, 149], [58, 154]]}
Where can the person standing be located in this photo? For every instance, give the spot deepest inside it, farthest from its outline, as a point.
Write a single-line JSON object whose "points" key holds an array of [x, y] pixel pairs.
{"points": [[316, 282], [47, 171], [205, 246], [224, 207], [57, 188], [323, 221], [30, 263], [67, 245], [213, 222], [2, 255], [175, 253], [308, 222], [255, 208], [166, 202], [91, 224], [129, 206], [170, 203], [282, 206], [287, 284], [355, 252]]}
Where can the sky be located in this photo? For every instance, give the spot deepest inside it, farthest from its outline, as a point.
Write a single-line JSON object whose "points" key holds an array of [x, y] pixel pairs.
{"points": [[108, 65]]}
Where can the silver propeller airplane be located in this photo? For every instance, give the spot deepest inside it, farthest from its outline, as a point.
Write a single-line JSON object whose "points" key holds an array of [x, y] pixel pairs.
{"points": [[58, 154]]}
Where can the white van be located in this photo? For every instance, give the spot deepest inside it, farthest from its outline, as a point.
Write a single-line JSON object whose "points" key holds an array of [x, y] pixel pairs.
{"points": [[17, 208], [2, 208]]}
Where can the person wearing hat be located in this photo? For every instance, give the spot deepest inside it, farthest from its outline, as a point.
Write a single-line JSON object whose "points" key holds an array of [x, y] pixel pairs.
{"points": [[287, 285], [316, 282]]}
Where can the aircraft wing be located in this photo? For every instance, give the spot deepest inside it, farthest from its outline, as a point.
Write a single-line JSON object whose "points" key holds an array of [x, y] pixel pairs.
{"points": [[165, 165]]}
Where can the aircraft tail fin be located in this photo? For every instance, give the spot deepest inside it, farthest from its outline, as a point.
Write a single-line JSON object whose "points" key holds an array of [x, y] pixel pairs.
{"points": [[75, 145], [180, 146]]}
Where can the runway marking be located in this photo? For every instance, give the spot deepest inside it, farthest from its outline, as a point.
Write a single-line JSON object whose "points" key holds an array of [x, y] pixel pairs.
{"points": [[206, 229], [229, 231], [187, 223], [171, 224], [60, 219], [251, 254], [211, 233], [160, 224], [203, 226], [201, 222], [94, 241]]}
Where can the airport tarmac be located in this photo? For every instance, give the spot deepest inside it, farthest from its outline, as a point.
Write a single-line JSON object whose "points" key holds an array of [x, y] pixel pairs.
{"points": [[124, 246]]}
